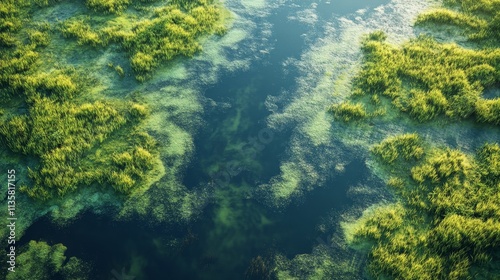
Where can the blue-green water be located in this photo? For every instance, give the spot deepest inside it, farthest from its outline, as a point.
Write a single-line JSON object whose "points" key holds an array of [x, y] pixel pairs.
{"points": [[235, 152]]}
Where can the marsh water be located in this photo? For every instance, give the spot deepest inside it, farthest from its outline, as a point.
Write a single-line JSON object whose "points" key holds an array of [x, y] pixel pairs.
{"points": [[235, 152]]}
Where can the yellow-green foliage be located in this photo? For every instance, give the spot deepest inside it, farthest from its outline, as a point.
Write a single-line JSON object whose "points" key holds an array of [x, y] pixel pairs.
{"points": [[108, 6], [479, 19], [348, 111], [445, 16], [38, 260], [426, 78], [81, 30], [406, 145], [158, 35], [447, 222], [120, 71], [10, 21], [57, 128], [61, 135]]}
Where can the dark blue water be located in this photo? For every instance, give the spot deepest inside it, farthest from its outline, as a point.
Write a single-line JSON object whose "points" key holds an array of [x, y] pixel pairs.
{"points": [[236, 226]]}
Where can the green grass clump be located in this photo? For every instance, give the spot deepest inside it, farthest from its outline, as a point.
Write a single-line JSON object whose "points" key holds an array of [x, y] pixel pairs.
{"points": [[407, 146], [348, 111], [81, 30], [480, 20], [446, 224], [158, 35]]}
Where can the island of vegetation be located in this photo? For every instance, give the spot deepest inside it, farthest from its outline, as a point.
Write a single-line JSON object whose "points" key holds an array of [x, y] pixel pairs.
{"points": [[427, 79], [445, 222]]}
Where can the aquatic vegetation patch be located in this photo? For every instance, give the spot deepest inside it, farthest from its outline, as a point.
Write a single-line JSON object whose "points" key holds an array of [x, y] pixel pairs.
{"points": [[330, 65], [151, 34], [56, 124], [348, 111], [38, 260], [405, 146], [428, 79], [63, 134], [446, 223], [479, 20]]}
